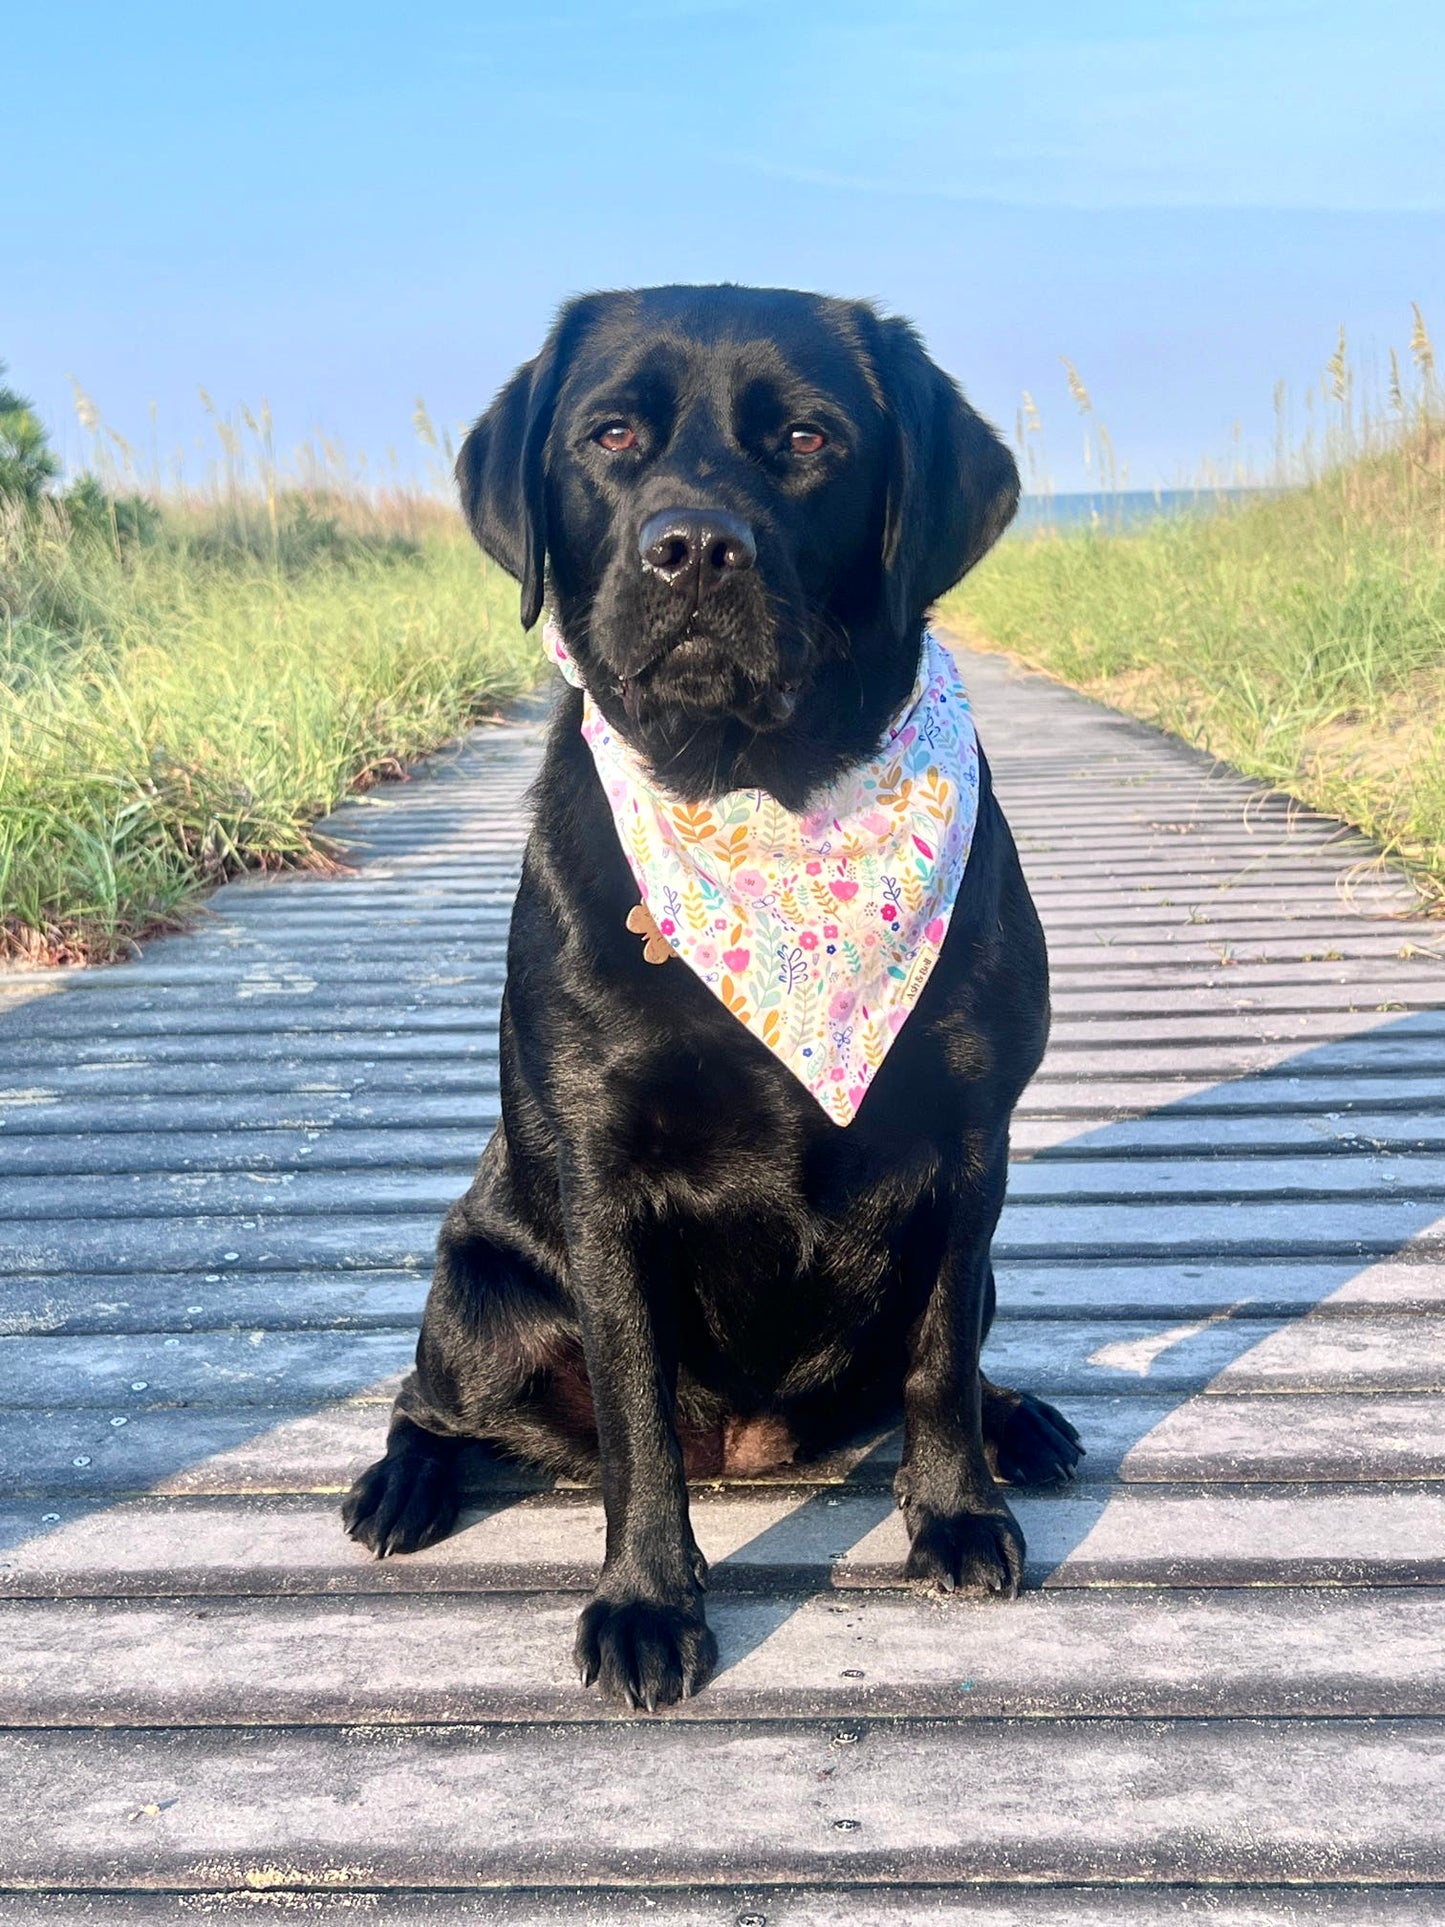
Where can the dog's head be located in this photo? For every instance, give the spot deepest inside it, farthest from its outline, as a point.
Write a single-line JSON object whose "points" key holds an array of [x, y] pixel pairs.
{"points": [[739, 503]]}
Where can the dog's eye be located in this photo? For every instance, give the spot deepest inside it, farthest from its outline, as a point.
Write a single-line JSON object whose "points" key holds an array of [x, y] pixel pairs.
{"points": [[615, 437], [804, 439]]}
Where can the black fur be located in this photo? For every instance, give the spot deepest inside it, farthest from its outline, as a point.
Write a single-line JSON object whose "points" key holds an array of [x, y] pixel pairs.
{"points": [[670, 1258]]}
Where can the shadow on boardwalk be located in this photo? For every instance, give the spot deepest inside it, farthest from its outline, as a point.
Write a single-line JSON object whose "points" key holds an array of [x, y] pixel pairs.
{"points": [[1370, 1073]]}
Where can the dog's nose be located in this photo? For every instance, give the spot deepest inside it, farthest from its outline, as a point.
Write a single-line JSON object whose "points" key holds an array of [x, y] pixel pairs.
{"points": [[708, 545]]}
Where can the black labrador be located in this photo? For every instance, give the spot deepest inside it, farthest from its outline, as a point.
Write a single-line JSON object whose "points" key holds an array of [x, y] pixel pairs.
{"points": [[738, 504]]}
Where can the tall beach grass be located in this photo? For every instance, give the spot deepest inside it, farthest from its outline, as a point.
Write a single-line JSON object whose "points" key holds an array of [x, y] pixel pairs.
{"points": [[1298, 634], [191, 675]]}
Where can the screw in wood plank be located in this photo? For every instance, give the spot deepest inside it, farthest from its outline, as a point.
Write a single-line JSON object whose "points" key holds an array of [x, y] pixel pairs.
{"points": [[847, 1826], [852, 1672], [847, 1736]]}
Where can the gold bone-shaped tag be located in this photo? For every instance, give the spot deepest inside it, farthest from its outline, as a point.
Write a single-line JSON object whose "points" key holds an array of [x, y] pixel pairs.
{"points": [[641, 923]]}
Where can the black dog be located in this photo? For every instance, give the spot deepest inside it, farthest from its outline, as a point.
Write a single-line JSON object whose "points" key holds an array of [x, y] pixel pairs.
{"points": [[742, 503]]}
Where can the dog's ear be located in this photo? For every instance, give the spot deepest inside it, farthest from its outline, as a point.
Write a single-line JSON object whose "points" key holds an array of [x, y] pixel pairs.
{"points": [[953, 486], [501, 471]]}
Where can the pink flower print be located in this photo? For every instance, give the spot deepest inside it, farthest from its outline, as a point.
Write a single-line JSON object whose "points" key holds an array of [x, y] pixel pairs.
{"points": [[844, 889], [815, 826], [888, 911], [668, 927], [750, 883], [737, 959], [905, 736], [809, 940], [705, 956], [934, 932], [840, 1009], [837, 1073], [815, 869], [830, 929], [720, 923], [870, 939], [875, 821], [855, 1096]]}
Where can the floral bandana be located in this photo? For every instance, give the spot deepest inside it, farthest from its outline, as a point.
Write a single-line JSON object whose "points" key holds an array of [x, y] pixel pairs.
{"points": [[817, 931]]}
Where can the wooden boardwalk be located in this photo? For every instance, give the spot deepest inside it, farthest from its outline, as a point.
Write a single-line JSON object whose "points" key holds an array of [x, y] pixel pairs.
{"points": [[1224, 1254]]}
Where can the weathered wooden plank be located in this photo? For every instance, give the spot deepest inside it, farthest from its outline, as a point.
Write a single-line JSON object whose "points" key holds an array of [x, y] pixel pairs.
{"points": [[322, 1298], [88, 1024], [296, 1065], [314, 1102], [175, 1193], [1321, 1177], [294, 1074], [1166, 1134], [221, 1048], [277, 1240], [1264, 891], [402, 1662], [415, 948], [1274, 1091], [1140, 1438], [385, 1185], [1288, 1012], [1288, 1030], [1125, 1228], [201, 1244], [1270, 946], [176, 1302], [1171, 1141], [757, 1538], [264, 1151], [170, 969], [1226, 1046], [761, 1905], [1022, 1800], [201, 1368], [32, 1113], [1393, 1046], [1060, 1287], [1227, 1354]]}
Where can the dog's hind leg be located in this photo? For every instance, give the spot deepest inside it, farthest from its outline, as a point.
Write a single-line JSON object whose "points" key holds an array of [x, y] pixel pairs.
{"points": [[1026, 1441], [498, 1360], [409, 1498]]}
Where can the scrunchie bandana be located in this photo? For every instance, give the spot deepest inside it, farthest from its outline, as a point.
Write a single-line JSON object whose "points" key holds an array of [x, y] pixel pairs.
{"points": [[818, 932]]}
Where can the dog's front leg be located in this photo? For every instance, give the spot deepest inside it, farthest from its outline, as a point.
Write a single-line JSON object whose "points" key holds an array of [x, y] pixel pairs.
{"points": [[964, 1538], [643, 1636]]}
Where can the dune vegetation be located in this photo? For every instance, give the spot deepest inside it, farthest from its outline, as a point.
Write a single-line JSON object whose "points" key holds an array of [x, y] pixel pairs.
{"points": [[190, 677], [1297, 633]]}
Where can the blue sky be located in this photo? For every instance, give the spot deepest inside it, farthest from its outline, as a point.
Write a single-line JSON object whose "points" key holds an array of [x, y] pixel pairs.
{"points": [[340, 208]]}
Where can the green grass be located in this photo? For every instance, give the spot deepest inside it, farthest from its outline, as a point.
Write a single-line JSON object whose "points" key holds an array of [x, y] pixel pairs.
{"points": [[181, 705], [1300, 638]]}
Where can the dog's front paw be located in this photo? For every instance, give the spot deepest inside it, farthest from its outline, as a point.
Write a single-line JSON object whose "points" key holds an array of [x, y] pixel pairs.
{"points": [[978, 1553], [404, 1502], [643, 1653]]}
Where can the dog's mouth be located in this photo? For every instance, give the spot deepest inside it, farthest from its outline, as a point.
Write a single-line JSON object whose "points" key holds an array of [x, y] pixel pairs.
{"points": [[695, 675]]}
